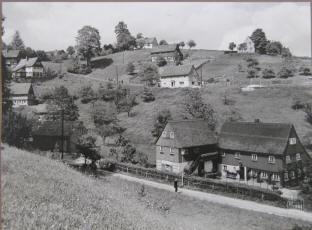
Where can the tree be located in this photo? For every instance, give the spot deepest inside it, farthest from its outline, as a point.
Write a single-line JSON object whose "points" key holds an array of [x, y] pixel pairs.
{"points": [[103, 113], [42, 55], [232, 45], [127, 103], [274, 48], [139, 36], [16, 129], [28, 52], [194, 107], [140, 43], [268, 73], [286, 53], [260, 41], [130, 68], [163, 42], [111, 129], [160, 122], [253, 68], [182, 44], [17, 42], [86, 146], [147, 95], [124, 39], [88, 42], [87, 94], [191, 43], [242, 47], [305, 71], [149, 74], [161, 61], [60, 101], [70, 50]]}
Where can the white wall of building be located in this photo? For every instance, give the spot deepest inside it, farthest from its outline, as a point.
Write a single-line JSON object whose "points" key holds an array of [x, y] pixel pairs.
{"points": [[176, 167], [178, 82], [19, 101]]}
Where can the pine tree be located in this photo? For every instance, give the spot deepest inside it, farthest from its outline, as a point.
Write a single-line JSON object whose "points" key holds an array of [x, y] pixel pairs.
{"points": [[17, 42]]}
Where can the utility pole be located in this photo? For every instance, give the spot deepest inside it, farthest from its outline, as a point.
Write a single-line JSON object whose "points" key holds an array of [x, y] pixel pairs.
{"points": [[62, 141], [117, 75]]}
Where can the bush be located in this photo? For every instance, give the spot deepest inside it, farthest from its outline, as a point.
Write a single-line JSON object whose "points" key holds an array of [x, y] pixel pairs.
{"points": [[268, 73], [304, 71], [87, 94], [161, 61], [285, 73], [147, 95], [77, 68]]}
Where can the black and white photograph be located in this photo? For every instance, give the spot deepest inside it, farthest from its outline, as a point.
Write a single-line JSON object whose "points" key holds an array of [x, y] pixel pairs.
{"points": [[156, 115]]}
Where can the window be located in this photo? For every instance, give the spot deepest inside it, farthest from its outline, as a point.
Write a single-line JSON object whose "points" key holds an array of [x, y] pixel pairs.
{"points": [[254, 157], [275, 177], [237, 155], [164, 134], [271, 159], [223, 154], [285, 176], [192, 83], [171, 151], [298, 156], [172, 135], [264, 175], [161, 149], [292, 141], [292, 174], [288, 159], [224, 167], [181, 82]]}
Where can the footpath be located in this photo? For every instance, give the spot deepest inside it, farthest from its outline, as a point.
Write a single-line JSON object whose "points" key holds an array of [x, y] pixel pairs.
{"points": [[223, 200]]}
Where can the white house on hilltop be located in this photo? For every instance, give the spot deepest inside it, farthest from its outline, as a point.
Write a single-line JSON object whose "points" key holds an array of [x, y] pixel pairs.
{"points": [[248, 46], [179, 76]]}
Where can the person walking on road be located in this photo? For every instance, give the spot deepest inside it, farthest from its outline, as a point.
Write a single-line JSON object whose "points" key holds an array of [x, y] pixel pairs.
{"points": [[175, 184]]}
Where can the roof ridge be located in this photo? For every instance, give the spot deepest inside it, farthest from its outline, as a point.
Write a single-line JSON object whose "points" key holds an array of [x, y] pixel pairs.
{"points": [[264, 123], [250, 135]]}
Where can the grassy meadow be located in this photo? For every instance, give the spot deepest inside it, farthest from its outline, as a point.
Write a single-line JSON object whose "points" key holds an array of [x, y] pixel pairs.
{"points": [[270, 104], [40, 193]]}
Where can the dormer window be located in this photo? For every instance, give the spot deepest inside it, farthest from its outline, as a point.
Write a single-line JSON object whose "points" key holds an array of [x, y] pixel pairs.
{"points": [[164, 133], [171, 135], [254, 157], [298, 156], [292, 141], [237, 155], [271, 159]]}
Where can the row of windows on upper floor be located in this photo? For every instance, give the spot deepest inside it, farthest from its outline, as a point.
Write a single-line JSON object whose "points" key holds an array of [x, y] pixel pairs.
{"points": [[271, 159], [165, 134]]}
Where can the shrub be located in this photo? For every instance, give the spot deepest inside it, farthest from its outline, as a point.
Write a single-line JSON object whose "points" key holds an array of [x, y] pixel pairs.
{"points": [[147, 95], [285, 73], [77, 68], [130, 68], [268, 73], [304, 71], [161, 61], [87, 94]]}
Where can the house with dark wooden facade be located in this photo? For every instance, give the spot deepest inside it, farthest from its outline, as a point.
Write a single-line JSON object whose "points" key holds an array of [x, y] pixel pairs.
{"points": [[21, 94], [12, 57], [48, 135], [187, 144], [270, 152], [171, 53]]}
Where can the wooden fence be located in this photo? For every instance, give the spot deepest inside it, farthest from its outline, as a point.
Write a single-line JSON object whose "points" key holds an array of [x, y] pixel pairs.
{"points": [[210, 185]]}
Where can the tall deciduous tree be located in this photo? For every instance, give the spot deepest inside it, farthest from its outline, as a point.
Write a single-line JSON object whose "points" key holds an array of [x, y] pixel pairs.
{"points": [[191, 43], [88, 42], [163, 42], [17, 42], [59, 101], [195, 108], [149, 74], [274, 48], [260, 41], [232, 45], [124, 39], [160, 122], [70, 50]]}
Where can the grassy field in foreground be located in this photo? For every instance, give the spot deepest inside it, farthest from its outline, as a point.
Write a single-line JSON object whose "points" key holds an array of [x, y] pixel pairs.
{"points": [[39, 193]]}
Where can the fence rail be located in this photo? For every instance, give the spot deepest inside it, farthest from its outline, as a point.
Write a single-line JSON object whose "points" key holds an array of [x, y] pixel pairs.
{"points": [[212, 185]]}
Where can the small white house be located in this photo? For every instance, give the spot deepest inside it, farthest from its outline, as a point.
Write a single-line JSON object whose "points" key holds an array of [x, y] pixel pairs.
{"points": [[248, 46], [179, 76]]}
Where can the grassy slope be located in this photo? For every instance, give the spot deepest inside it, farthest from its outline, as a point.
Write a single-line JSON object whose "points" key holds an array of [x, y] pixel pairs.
{"points": [[270, 105], [39, 193]]}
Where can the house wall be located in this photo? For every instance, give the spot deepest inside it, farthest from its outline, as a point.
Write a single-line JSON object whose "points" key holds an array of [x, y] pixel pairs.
{"points": [[19, 101], [34, 71], [169, 161], [191, 80]]}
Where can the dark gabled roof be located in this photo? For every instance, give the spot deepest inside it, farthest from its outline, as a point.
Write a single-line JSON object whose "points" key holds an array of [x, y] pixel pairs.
{"points": [[20, 88], [256, 137], [10, 53], [25, 63], [188, 133], [54, 128], [178, 70], [164, 48]]}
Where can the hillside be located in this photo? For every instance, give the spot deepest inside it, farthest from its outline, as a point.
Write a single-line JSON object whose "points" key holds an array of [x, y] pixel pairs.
{"points": [[39, 193], [271, 104]]}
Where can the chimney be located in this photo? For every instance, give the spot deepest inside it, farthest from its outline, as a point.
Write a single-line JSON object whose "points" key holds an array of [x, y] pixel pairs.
{"points": [[257, 120]]}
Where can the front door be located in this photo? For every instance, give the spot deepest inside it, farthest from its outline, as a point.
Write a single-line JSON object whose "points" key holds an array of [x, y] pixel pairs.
{"points": [[172, 83]]}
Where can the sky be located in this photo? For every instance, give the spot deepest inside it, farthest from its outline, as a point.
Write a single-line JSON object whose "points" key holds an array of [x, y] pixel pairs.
{"points": [[54, 25]]}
